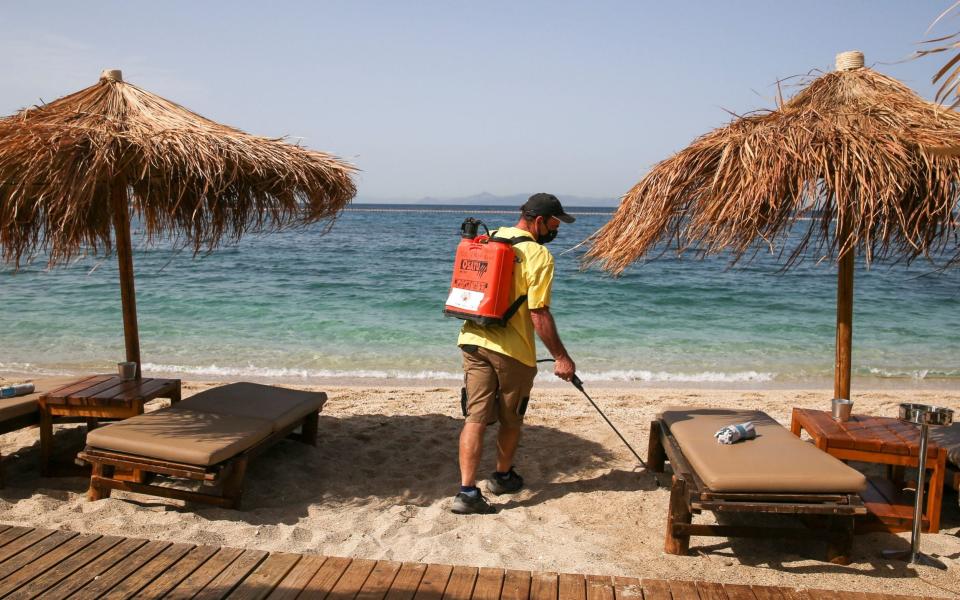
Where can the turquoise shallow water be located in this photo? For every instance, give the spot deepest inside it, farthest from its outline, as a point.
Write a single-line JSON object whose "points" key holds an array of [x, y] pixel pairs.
{"points": [[365, 301]]}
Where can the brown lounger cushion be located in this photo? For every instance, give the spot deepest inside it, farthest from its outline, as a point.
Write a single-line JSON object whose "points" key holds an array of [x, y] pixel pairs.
{"points": [[776, 461], [11, 408], [182, 435], [283, 406]]}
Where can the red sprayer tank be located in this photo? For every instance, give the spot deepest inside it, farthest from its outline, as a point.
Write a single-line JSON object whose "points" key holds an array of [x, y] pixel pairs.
{"points": [[482, 278]]}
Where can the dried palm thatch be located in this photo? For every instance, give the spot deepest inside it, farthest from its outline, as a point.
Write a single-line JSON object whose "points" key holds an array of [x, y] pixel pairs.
{"points": [[855, 158], [72, 170], [949, 74], [851, 153], [187, 176]]}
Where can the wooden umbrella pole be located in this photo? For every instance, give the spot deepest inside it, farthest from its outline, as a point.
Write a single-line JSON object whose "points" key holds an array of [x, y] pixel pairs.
{"points": [[842, 370], [128, 296]]}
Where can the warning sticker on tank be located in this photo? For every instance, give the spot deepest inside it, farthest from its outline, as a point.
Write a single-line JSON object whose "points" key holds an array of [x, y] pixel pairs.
{"points": [[464, 299]]}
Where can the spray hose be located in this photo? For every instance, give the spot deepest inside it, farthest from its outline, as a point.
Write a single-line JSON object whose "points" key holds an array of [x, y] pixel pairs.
{"points": [[577, 383]]}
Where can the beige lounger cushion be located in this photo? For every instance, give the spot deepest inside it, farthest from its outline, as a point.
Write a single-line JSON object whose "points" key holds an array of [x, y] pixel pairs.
{"points": [[182, 435], [281, 405], [11, 408], [776, 461], [949, 438]]}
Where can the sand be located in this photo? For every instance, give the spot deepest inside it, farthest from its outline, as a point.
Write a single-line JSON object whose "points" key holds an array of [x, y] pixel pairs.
{"points": [[379, 484]]}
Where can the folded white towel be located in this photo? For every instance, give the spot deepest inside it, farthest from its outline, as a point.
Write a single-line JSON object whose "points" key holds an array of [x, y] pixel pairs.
{"points": [[734, 433], [19, 389]]}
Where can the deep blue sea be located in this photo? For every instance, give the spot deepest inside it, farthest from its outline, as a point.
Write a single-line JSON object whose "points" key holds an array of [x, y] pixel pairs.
{"points": [[365, 300]]}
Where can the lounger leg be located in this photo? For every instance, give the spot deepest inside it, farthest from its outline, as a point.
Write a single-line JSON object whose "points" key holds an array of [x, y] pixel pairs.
{"points": [[233, 482], [97, 492], [46, 442], [656, 455], [840, 548], [679, 512], [308, 431]]}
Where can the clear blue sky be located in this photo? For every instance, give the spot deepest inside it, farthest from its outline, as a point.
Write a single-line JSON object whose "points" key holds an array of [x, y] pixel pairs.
{"points": [[447, 98]]}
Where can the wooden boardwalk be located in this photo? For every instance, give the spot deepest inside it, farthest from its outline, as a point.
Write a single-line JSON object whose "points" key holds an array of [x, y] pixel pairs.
{"points": [[40, 563]]}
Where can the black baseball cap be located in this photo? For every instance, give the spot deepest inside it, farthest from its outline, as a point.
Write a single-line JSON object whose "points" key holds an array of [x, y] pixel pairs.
{"points": [[545, 205]]}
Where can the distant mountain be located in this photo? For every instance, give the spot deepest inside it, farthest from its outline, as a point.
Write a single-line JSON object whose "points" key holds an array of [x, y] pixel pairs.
{"points": [[488, 199]]}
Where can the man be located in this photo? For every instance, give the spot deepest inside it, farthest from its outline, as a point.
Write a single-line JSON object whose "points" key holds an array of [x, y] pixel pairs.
{"points": [[499, 363]]}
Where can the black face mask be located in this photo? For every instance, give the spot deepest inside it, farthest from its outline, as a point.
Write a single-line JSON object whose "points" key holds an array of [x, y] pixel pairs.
{"points": [[547, 237]]}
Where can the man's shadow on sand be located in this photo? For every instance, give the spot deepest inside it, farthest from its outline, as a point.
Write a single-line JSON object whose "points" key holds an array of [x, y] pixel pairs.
{"points": [[391, 459]]}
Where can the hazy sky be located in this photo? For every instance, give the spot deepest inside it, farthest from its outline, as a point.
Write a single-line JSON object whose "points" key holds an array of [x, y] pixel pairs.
{"points": [[452, 98]]}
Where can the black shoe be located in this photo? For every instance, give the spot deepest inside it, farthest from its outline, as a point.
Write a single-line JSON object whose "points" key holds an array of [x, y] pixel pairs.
{"points": [[469, 504], [507, 484]]}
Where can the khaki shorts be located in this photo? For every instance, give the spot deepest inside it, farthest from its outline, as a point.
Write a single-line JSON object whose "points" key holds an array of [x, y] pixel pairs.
{"points": [[497, 387]]}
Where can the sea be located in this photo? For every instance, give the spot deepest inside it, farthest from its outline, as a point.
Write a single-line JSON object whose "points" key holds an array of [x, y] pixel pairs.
{"points": [[362, 301]]}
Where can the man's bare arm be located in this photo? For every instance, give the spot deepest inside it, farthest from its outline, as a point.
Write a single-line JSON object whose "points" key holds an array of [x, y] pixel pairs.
{"points": [[546, 329]]}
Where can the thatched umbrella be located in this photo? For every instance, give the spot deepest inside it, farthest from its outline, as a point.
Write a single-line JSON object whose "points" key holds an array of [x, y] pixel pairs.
{"points": [[848, 159], [74, 169]]}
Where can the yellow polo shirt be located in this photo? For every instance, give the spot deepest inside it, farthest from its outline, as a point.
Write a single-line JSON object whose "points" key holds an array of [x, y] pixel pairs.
{"points": [[532, 276]]}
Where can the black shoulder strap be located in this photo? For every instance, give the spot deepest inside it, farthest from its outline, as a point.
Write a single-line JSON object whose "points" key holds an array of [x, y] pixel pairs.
{"points": [[512, 241]]}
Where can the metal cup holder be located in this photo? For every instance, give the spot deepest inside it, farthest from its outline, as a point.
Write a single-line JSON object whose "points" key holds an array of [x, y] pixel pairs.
{"points": [[923, 415]]}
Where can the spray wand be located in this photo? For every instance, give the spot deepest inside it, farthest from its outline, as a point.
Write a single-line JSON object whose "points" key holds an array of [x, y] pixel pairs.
{"points": [[577, 383]]}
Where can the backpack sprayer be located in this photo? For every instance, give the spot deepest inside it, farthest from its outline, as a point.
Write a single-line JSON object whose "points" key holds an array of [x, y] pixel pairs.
{"points": [[577, 383]]}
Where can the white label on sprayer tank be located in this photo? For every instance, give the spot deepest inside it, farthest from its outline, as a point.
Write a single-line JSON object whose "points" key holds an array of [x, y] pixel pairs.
{"points": [[465, 299]]}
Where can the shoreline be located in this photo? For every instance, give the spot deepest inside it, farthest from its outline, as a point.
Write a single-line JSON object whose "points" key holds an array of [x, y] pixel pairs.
{"points": [[544, 380]]}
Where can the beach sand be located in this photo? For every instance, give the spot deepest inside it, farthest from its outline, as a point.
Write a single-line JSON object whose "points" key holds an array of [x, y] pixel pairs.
{"points": [[380, 481]]}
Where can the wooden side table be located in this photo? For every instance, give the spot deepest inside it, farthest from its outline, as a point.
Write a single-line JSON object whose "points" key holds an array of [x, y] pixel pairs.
{"points": [[881, 440], [97, 398]]}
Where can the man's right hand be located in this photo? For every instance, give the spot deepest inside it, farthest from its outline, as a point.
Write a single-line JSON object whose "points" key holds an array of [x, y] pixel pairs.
{"points": [[564, 368]]}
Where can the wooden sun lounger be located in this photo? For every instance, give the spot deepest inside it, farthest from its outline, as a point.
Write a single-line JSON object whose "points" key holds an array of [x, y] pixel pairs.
{"points": [[227, 426], [20, 412], [828, 515]]}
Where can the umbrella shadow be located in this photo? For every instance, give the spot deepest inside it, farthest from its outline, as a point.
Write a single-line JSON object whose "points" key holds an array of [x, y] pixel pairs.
{"points": [[413, 460], [363, 459]]}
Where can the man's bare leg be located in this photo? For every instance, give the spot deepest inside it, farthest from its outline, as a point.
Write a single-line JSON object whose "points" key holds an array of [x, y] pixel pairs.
{"points": [[507, 441], [471, 447]]}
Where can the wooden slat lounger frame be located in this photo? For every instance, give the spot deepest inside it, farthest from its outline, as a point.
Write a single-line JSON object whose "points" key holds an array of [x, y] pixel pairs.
{"points": [[832, 514], [229, 473]]}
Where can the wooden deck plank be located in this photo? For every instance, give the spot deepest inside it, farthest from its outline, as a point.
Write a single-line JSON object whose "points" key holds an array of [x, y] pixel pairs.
{"points": [[709, 590], [794, 594], [84, 576], [102, 585], [35, 552], [544, 586], [572, 587], [204, 574], [266, 577], [28, 539], [739, 592], [379, 581], [11, 533], [352, 579], [405, 584], [600, 587], [656, 589], [290, 586], [35, 560], [460, 585], [143, 576], [64, 568], [627, 588], [180, 570], [516, 585], [489, 584], [766, 592], [325, 578], [224, 583], [684, 590], [434, 582]]}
